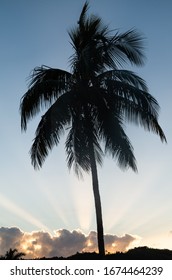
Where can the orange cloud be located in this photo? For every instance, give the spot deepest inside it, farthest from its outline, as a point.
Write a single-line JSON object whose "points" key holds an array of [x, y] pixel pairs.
{"points": [[64, 243]]}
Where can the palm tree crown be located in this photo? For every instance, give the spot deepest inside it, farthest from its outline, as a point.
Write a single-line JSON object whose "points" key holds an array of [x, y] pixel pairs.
{"points": [[13, 254], [93, 101]]}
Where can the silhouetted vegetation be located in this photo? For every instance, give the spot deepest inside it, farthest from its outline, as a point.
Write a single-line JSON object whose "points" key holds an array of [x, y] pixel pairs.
{"points": [[139, 253], [13, 254]]}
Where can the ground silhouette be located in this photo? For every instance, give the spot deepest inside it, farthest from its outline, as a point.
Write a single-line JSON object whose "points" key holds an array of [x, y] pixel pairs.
{"points": [[138, 253]]}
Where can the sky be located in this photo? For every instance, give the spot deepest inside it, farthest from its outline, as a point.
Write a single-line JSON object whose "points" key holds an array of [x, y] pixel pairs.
{"points": [[50, 211]]}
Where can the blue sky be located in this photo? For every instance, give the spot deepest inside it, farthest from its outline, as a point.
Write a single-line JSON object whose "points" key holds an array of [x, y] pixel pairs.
{"points": [[35, 33]]}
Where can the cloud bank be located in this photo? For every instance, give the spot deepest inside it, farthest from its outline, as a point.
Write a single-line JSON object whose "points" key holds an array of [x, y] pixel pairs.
{"points": [[37, 244]]}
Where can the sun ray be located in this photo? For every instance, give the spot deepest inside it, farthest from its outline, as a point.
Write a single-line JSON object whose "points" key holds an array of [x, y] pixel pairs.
{"points": [[82, 198], [121, 203], [55, 204], [20, 212], [51, 186]]}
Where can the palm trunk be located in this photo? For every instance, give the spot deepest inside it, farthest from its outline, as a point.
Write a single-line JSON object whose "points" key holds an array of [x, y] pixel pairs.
{"points": [[98, 208]]}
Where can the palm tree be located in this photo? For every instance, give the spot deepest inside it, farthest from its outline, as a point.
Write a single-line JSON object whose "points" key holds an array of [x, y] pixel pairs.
{"points": [[91, 103], [13, 254]]}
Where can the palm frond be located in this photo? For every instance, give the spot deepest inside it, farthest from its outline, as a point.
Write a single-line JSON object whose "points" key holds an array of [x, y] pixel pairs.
{"points": [[77, 145], [116, 141], [77, 152], [137, 106], [126, 92], [124, 76], [50, 128], [82, 17], [90, 42], [13, 254], [129, 47], [45, 86]]}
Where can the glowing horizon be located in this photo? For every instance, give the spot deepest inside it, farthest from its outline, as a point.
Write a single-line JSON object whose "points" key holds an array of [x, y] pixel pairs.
{"points": [[63, 242]]}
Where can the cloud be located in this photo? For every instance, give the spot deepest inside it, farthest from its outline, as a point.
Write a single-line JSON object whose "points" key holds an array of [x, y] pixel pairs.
{"points": [[9, 238], [63, 243], [113, 243]]}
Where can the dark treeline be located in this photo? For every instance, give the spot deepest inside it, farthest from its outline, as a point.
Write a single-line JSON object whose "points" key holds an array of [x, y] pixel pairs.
{"points": [[139, 253]]}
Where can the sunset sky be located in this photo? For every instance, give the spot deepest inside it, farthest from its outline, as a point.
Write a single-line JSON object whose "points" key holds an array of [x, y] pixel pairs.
{"points": [[51, 210]]}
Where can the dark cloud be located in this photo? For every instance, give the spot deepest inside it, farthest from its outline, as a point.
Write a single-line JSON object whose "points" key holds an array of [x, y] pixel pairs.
{"points": [[120, 244], [9, 238], [62, 243]]}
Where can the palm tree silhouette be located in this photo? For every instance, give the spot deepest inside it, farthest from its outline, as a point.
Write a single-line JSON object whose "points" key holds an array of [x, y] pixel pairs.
{"points": [[13, 254], [91, 103]]}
